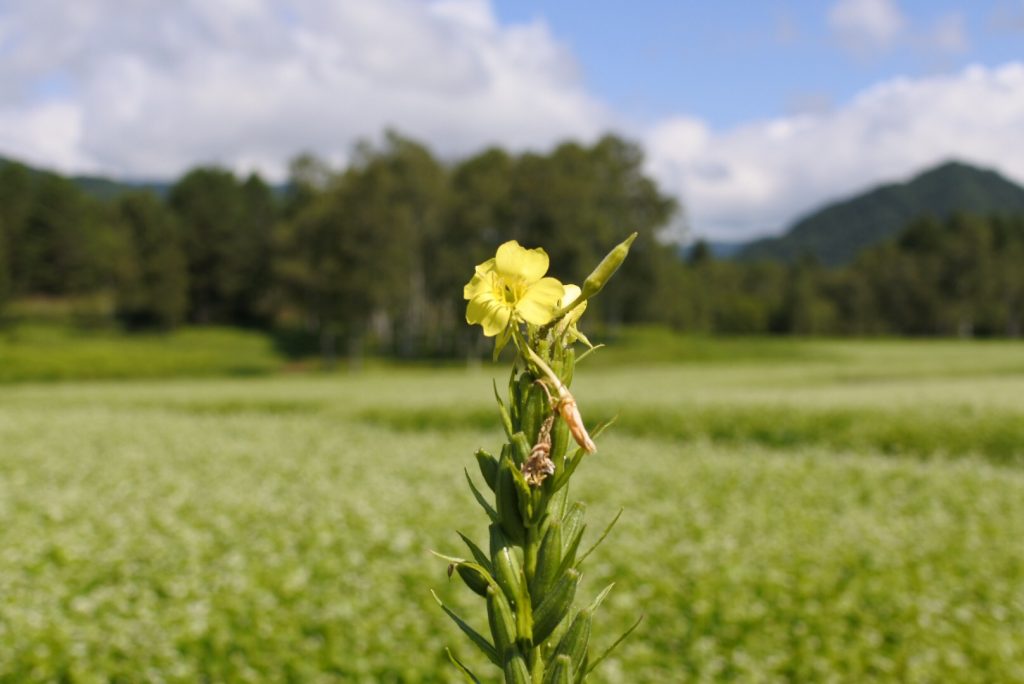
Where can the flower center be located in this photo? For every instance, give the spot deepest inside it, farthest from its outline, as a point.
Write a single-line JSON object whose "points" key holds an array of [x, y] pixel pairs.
{"points": [[508, 291]]}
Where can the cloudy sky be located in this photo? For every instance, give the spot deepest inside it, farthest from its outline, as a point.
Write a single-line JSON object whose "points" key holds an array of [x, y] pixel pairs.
{"points": [[752, 113]]}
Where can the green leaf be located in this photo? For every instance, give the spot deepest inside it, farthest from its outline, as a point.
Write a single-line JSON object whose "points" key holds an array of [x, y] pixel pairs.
{"points": [[479, 640], [491, 513], [462, 668], [611, 648], [506, 419], [600, 598], [601, 538], [478, 554]]}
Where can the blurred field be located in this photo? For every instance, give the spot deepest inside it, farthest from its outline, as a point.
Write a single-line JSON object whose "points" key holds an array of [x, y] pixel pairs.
{"points": [[48, 352], [795, 511]]}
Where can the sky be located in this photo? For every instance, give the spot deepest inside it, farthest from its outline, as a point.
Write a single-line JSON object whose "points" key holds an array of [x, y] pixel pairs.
{"points": [[751, 113]]}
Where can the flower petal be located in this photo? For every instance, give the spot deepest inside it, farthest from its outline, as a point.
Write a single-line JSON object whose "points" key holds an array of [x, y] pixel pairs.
{"points": [[489, 313], [572, 292], [538, 303], [515, 261]]}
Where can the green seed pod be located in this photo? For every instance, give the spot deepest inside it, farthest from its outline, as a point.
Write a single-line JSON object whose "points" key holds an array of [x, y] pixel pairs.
{"points": [[569, 367], [606, 269], [572, 532], [549, 558], [520, 448], [507, 570], [523, 384], [475, 577], [488, 467], [500, 619], [560, 672], [559, 444], [516, 671], [574, 642], [555, 606], [507, 502], [535, 411]]}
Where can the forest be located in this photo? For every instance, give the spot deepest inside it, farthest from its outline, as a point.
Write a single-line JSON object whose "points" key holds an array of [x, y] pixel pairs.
{"points": [[372, 257]]}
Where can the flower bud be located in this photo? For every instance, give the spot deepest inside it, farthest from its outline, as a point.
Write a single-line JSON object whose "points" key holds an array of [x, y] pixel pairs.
{"points": [[606, 269]]}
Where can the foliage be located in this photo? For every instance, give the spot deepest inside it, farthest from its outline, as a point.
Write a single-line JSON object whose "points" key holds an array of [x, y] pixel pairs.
{"points": [[369, 259], [152, 282], [260, 529]]}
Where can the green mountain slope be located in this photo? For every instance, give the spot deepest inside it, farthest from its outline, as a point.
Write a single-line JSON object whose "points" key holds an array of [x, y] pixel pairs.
{"points": [[836, 233], [98, 187]]}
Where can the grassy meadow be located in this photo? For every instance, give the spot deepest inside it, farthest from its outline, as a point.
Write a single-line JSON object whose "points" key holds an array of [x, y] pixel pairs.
{"points": [[810, 511]]}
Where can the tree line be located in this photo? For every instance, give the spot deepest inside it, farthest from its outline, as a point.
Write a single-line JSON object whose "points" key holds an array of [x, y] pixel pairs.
{"points": [[374, 256]]}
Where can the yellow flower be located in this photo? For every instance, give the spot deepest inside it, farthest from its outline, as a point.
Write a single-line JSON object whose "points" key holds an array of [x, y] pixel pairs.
{"points": [[512, 284], [567, 325]]}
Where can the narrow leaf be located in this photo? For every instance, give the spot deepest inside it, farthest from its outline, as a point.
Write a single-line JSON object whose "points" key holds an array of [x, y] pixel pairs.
{"points": [[491, 513], [593, 348], [600, 598], [602, 537], [506, 419], [462, 668], [481, 642], [478, 554], [611, 648]]}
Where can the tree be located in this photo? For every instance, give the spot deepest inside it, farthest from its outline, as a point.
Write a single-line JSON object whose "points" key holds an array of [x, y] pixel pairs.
{"points": [[152, 285], [227, 228]]}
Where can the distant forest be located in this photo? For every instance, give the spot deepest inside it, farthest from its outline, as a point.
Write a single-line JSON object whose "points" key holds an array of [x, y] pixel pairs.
{"points": [[374, 256]]}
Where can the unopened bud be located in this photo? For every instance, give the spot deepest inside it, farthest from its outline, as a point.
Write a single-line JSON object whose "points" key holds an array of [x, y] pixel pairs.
{"points": [[606, 269]]}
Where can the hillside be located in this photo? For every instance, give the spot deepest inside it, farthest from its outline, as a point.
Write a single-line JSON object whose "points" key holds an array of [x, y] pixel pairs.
{"points": [[99, 187], [836, 233]]}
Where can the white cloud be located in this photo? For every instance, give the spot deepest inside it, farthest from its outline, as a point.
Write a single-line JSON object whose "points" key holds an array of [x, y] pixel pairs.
{"points": [[948, 35], [864, 26], [761, 176], [151, 87]]}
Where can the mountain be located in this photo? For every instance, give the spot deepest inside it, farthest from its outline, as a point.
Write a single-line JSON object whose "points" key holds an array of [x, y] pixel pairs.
{"points": [[719, 249], [106, 189], [97, 186], [836, 233]]}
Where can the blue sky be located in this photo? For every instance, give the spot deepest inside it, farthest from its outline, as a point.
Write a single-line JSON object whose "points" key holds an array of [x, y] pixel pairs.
{"points": [[752, 114], [730, 62]]}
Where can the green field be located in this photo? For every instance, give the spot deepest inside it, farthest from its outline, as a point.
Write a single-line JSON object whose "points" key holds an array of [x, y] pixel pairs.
{"points": [[795, 511]]}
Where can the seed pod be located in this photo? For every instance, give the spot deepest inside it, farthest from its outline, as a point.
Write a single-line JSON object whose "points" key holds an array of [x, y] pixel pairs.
{"points": [[500, 619], [572, 532], [507, 501], [568, 367], [488, 467], [535, 410], [559, 443], [507, 570], [555, 606], [549, 558], [522, 394], [475, 577], [520, 448], [560, 672], [516, 671], [574, 642], [606, 269]]}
